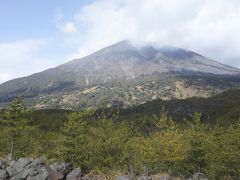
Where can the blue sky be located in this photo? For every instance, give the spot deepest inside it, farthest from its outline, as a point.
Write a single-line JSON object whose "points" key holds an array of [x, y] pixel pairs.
{"points": [[32, 25], [35, 20], [27, 19], [37, 35]]}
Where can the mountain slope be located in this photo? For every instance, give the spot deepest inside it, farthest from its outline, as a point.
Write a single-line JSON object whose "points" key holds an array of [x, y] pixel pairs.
{"points": [[123, 74], [223, 108]]}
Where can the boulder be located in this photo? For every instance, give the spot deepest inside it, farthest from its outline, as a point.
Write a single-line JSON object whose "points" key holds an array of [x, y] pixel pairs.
{"points": [[36, 163], [29, 169], [144, 178], [3, 174], [61, 169], [123, 178], [89, 178], [199, 176], [74, 175], [22, 175], [16, 167], [24, 167], [3, 165], [162, 177], [45, 173]]}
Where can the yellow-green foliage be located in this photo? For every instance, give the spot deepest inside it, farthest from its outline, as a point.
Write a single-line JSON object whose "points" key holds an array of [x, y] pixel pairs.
{"points": [[223, 152], [17, 133], [100, 143]]}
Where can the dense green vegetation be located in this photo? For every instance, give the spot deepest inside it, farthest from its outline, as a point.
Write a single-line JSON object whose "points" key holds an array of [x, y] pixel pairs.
{"points": [[223, 108], [132, 140]]}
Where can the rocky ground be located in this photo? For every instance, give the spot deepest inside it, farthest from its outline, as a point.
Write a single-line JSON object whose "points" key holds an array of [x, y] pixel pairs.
{"points": [[38, 169]]}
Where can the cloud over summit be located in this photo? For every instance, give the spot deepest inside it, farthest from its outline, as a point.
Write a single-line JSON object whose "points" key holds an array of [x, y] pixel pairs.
{"points": [[71, 30], [209, 27]]}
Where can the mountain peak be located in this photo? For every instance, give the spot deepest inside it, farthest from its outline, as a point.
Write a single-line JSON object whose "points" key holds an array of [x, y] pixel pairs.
{"points": [[120, 46], [115, 67], [149, 50], [125, 42]]}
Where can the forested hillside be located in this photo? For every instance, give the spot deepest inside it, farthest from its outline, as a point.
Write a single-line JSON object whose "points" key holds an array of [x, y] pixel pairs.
{"points": [[145, 138], [223, 109]]}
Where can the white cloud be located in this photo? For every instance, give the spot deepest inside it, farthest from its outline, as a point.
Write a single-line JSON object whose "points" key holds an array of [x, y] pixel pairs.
{"points": [[69, 28], [209, 27], [65, 27], [15, 52], [20, 58], [4, 77]]}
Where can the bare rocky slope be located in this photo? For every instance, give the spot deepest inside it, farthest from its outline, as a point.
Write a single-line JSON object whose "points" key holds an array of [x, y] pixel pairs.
{"points": [[123, 74]]}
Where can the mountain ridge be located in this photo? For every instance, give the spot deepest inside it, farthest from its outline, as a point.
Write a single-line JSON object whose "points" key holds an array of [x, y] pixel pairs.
{"points": [[123, 66]]}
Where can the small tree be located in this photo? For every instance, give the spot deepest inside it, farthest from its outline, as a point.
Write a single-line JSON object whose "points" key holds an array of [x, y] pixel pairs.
{"points": [[197, 136], [106, 141], [164, 122], [196, 156], [74, 137], [168, 143], [14, 122]]}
